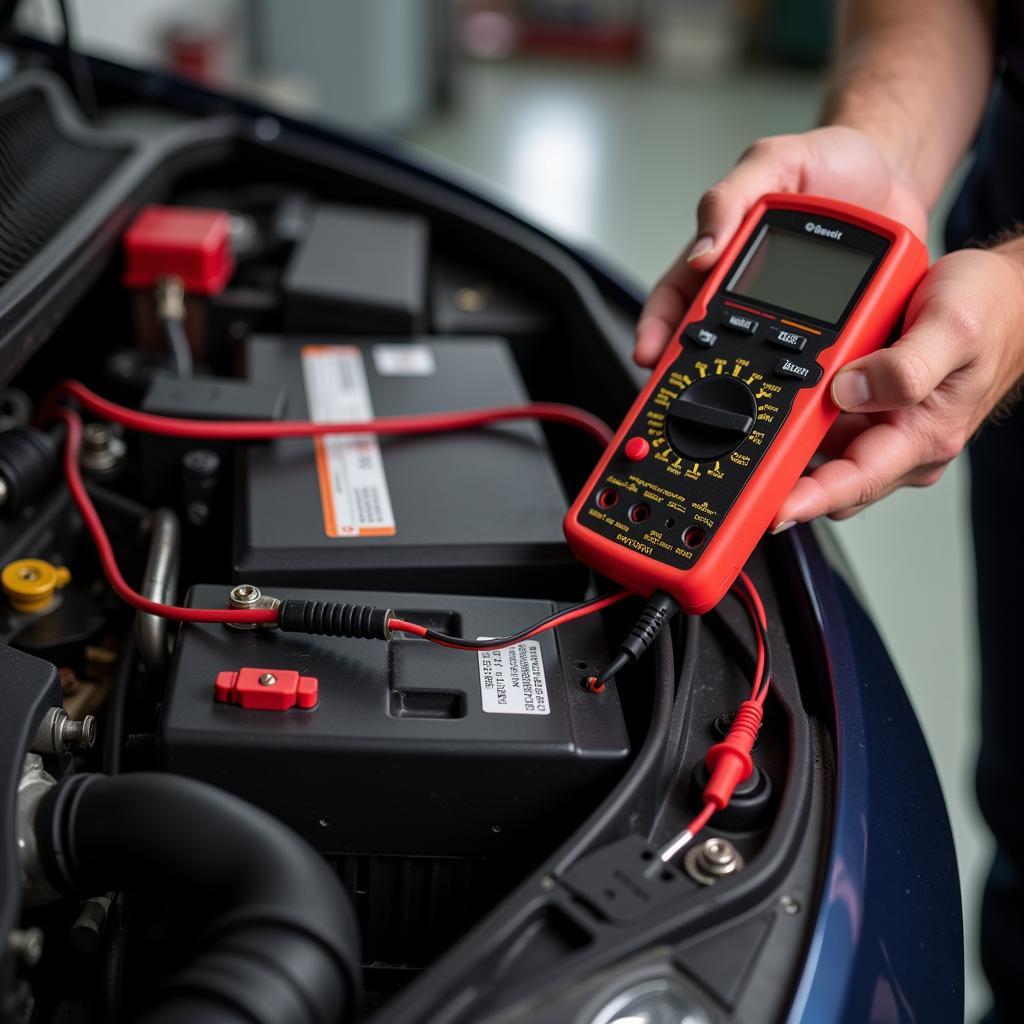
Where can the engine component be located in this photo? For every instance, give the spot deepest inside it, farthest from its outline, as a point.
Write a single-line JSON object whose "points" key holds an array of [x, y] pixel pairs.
{"points": [[462, 769], [358, 269], [281, 944], [28, 465], [31, 584], [190, 243], [465, 300], [58, 733], [34, 784], [159, 583], [169, 462], [103, 450], [439, 513]]}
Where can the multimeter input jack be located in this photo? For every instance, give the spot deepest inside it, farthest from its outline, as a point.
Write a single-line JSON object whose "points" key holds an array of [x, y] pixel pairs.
{"points": [[639, 512], [694, 536], [608, 497]]}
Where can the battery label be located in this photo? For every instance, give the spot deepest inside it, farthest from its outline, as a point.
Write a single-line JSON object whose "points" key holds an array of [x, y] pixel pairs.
{"points": [[404, 360], [512, 680], [353, 487]]}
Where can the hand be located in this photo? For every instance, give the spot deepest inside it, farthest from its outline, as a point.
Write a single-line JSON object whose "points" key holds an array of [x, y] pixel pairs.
{"points": [[909, 409], [839, 162]]}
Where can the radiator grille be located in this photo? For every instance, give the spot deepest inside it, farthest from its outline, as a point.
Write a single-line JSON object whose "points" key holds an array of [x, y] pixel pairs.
{"points": [[45, 177]]}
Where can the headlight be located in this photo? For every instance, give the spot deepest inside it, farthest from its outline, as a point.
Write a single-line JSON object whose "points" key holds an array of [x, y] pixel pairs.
{"points": [[655, 1001]]}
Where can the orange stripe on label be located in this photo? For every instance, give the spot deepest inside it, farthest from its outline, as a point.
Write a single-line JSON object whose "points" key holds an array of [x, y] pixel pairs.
{"points": [[803, 327], [326, 490]]}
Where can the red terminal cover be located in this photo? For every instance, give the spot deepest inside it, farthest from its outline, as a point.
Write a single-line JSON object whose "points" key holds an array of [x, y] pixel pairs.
{"points": [[878, 310], [181, 241], [266, 689]]}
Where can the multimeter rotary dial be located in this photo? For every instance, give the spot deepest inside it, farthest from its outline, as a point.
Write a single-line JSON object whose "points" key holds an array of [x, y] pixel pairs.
{"points": [[710, 418]]}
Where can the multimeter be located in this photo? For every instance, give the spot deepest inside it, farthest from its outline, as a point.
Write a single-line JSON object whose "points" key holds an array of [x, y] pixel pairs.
{"points": [[740, 400]]}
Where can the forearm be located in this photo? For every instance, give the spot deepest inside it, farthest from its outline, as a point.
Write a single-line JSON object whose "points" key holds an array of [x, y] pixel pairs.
{"points": [[914, 76]]}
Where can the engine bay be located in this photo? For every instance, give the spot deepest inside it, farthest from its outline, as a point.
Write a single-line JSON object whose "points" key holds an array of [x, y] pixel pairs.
{"points": [[487, 823]]}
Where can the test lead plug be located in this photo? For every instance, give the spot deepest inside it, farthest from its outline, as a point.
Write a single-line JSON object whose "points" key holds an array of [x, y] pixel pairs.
{"points": [[659, 609]]}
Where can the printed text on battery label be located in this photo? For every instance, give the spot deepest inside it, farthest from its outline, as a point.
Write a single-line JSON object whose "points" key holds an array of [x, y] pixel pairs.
{"points": [[512, 680]]}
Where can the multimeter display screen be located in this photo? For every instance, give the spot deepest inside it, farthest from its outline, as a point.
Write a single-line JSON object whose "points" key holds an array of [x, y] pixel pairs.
{"points": [[802, 273]]}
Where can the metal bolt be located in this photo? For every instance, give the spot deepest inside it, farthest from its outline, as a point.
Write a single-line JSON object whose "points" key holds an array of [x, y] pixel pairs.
{"points": [[89, 925], [470, 300], [26, 945], [267, 679], [713, 860], [102, 449], [58, 733], [789, 905], [201, 462], [245, 595]]}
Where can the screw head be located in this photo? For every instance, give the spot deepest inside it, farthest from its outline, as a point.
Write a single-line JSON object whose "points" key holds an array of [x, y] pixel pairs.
{"points": [[713, 860], [243, 595], [716, 851], [789, 905], [267, 679], [26, 945]]}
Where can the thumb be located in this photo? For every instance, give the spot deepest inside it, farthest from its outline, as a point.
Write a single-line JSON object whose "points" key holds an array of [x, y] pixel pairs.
{"points": [[903, 375], [768, 166]]}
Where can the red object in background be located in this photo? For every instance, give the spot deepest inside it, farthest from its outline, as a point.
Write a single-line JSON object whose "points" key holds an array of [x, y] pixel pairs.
{"points": [[181, 241], [612, 42], [266, 689]]}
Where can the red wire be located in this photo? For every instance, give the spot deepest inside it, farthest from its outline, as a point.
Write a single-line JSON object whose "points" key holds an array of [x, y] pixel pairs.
{"points": [[263, 430], [701, 820], [401, 626], [755, 609], [762, 619], [762, 654], [104, 549], [560, 620]]}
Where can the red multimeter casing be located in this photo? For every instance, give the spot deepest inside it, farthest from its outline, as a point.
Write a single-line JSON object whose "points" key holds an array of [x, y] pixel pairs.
{"points": [[740, 400]]}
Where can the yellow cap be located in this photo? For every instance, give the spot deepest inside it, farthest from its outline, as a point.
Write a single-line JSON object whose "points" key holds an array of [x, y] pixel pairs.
{"points": [[29, 583]]}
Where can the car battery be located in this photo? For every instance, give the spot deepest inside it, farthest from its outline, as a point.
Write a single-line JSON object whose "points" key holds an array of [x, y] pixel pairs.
{"points": [[433, 778], [476, 511]]}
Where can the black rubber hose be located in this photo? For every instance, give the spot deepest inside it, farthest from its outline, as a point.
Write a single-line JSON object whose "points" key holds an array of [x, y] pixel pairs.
{"points": [[279, 942]]}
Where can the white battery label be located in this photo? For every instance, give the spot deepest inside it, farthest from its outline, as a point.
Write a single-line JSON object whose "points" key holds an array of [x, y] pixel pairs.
{"points": [[404, 360], [353, 487], [512, 680]]}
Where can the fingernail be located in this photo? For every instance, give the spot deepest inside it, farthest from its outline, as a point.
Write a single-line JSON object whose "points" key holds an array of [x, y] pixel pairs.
{"points": [[783, 527], [703, 245], [851, 389]]}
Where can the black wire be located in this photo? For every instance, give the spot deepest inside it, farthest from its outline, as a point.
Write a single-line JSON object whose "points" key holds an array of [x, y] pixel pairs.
{"points": [[177, 344], [77, 67], [117, 708], [680, 706], [512, 638]]}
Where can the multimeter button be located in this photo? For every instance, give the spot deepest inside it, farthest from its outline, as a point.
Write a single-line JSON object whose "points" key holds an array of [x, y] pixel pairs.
{"points": [[797, 371], [637, 449], [786, 339], [740, 322], [702, 336]]}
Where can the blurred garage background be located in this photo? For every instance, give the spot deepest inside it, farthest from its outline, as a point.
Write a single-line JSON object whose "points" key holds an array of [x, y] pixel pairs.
{"points": [[604, 120]]}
